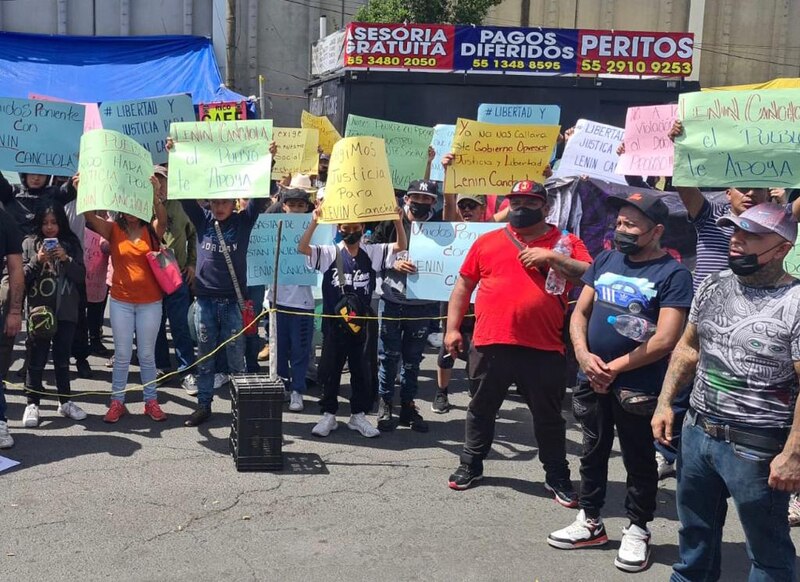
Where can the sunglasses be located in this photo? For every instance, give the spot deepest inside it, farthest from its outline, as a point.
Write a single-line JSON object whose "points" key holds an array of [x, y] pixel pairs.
{"points": [[467, 206]]}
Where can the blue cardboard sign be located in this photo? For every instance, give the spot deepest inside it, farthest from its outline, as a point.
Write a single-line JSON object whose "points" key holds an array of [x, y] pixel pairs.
{"points": [[40, 137], [510, 114], [292, 268], [526, 51], [147, 121], [438, 250], [442, 143]]}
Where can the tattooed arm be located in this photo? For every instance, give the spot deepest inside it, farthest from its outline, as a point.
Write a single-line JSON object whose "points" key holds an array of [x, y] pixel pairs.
{"points": [[682, 367]]}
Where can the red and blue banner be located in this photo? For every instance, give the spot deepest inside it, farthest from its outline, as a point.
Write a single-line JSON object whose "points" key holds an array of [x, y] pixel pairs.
{"points": [[516, 50]]}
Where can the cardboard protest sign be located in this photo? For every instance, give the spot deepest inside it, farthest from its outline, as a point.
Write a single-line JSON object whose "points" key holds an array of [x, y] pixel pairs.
{"points": [[115, 175], [648, 150], [592, 151], [148, 120], [791, 263], [359, 186], [91, 119], [328, 135], [406, 145], [297, 151], [442, 143], [222, 111], [40, 137], [292, 268], [438, 250], [489, 158], [739, 139], [507, 114], [225, 159], [96, 262]]}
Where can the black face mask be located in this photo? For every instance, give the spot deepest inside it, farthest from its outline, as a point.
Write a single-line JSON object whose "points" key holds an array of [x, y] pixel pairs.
{"points": [[419, 209], [746, 265], [524, 217], [626, 243], [353, 237]]}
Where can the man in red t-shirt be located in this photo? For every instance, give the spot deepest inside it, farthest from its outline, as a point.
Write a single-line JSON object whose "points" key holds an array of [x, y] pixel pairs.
{"points": [[519, 334]]}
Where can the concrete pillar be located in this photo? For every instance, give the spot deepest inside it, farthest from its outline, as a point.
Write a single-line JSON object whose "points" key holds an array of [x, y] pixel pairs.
{"points": [[697, 10]]}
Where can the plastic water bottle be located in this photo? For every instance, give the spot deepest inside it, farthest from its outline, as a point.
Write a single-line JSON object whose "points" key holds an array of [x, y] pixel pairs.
{"points": [[556, 282], [633, 327]]}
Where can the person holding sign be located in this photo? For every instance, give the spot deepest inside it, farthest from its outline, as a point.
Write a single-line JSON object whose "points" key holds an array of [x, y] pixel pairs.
{"points": [[54, 272], [135, 301], [349, 273], [622, 370], [519, 334]]}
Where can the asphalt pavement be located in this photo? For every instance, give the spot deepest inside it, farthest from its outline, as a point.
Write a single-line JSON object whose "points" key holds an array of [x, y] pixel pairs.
{"points": [[143, 501]]}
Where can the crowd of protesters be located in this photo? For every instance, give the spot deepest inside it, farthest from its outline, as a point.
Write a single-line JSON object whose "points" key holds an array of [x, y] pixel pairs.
{"points": [[695, 371]]}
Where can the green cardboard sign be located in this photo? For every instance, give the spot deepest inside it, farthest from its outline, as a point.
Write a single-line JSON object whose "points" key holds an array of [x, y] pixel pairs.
{"points": [[114, 175], [406, 146], [739, 139], [221, 159]]}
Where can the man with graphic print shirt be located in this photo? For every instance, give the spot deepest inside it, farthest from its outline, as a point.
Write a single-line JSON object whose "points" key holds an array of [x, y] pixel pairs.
{"points": [[360, 264], [621, 376], [741, 436]]}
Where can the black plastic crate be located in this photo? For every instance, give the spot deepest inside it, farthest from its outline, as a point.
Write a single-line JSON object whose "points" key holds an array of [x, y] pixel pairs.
{"points": [[256, 423]]}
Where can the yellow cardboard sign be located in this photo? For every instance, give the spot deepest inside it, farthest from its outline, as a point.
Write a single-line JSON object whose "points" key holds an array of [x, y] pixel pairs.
{"points": [[297, 151], [328, 135], [490, 157], [359, 186]]}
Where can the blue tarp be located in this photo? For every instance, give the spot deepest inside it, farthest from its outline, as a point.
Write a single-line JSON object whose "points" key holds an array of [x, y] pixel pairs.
{"points": [[86, 69]]}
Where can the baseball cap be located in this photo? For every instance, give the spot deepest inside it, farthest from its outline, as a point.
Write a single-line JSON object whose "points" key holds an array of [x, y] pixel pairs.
{"points": [[763, 218], [427, 187], [529, 188], [477, 198], [295, 194], [651, 205], [160, 171]]}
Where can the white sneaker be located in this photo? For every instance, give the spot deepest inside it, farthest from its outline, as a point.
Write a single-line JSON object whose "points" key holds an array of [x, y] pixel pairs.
{"points": [[634, 550], [6, 442], [30, 418], [665, 469], [581, 533], [326, 424], [296, 402], [220, 380], [71, 410], [360, 423], [435, 340], [189, 384]]}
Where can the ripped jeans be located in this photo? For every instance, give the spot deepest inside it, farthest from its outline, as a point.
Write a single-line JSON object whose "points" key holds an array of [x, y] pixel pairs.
{"points": [[403, 341], [217, 319]]}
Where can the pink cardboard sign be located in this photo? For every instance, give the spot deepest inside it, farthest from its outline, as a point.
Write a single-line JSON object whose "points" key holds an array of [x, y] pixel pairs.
{"points": [[90, 121], [648, 150]]}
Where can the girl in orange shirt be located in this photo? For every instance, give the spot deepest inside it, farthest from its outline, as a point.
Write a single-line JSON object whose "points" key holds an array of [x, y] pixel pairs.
{"points": [[135, 304]]}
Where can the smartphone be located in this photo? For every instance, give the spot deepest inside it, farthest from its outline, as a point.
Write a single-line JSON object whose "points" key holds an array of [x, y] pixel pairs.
{"points": [[50, 244]]}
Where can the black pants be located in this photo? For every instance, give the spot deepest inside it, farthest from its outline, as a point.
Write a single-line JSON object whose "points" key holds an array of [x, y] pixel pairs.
{"points": [[37, 359], [598, 415], [539, 377], [80, 340], [95, 315], [339, 345]]}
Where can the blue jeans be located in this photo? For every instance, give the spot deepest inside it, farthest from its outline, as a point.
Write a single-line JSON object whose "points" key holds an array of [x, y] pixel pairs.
{"points": [[295, 334], [402, 340], [176, 309], [217, 319], [143, 319], [710, 471], [253, 343]]}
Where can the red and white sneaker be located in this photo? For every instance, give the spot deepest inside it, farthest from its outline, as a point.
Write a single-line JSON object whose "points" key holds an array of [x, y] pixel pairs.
{"points": [[153, 410], [582, 533], [116, 411]]}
